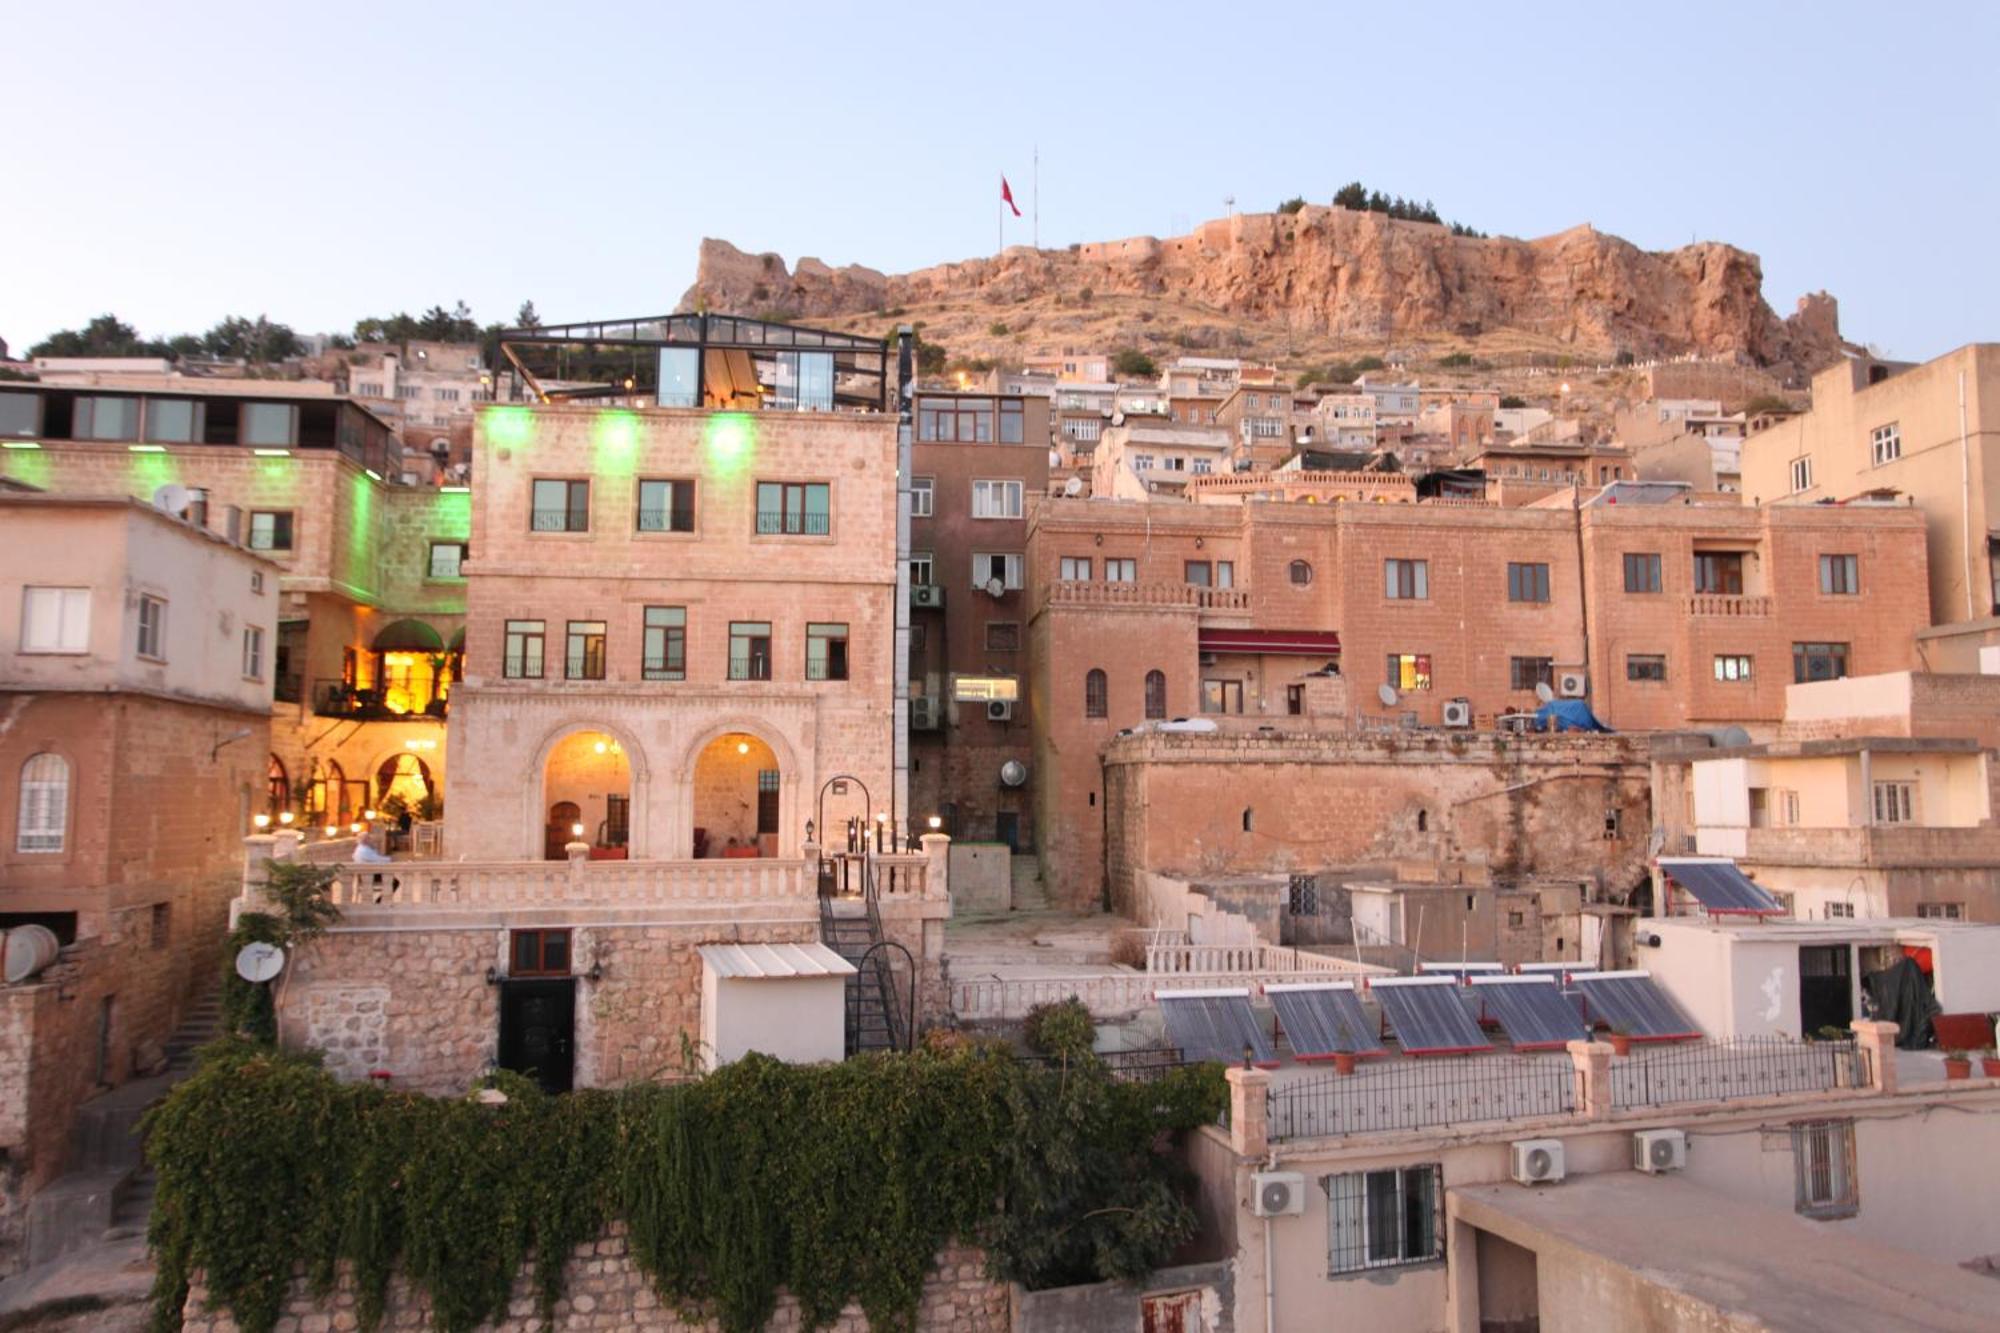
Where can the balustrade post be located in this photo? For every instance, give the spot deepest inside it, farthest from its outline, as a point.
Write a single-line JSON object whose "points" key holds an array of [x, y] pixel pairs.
{"points": [[937, 864], [1249, 1110], [257, 850], [1875, 1043], [579, 857], [1593, 1078]]}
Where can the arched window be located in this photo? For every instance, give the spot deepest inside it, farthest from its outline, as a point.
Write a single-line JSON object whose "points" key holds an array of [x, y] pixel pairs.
{"points": [[1302, 573], [1156, 694], [44, 804], [277, 788], [1095, 694]]}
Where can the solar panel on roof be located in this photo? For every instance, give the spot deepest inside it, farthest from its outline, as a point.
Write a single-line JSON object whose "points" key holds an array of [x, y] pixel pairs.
{"points": [[1719, 886], [1321, 1019], [1428, 1015], [1533, 1010], [1634, 1003], [1551, 968], [1215, 1025], [1456, 969]]}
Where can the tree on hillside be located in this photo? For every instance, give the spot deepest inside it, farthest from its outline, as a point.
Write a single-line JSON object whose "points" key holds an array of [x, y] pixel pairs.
{"points": [[1351, 195], [1293, 205], [107, 335], [526, 317], [257, 341], [1134, 363]]}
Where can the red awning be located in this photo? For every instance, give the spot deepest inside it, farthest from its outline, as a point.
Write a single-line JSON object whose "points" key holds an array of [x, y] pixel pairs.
{"points": [[1282, 642]]}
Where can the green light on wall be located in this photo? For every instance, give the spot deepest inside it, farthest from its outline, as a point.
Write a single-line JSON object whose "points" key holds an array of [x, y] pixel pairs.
{"points": [[149, 472], [360, 572], [33, 468], [20, 444], [509, 427], [731, 438], [616, 436]]}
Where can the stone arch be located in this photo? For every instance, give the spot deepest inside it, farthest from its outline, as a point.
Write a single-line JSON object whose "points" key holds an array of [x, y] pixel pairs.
{"points": [[639, 770], [792, 811]]}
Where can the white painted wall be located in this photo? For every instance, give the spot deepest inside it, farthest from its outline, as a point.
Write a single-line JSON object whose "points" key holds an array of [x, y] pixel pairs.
{"points": [[797, 1019]]}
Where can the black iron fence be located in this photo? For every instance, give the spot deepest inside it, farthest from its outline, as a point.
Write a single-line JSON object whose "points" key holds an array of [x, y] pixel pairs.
{"points": [[1135, 1066], [1737, 1068], [1413, 1094]]}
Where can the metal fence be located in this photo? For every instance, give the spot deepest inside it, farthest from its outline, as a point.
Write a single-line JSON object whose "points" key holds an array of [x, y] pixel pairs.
{"points": [[1412, 1094], [1737, 1068], [1135, 1066]]}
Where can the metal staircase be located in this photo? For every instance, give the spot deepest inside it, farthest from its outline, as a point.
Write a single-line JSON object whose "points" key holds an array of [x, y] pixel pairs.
{"points": [[880, 999]]}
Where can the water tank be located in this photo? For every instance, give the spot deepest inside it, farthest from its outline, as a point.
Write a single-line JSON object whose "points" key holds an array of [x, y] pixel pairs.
{"points": [[28, 950]]}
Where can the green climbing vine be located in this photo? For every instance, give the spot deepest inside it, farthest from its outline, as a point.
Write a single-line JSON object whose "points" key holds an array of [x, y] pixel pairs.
{"points": [[837, 1183], [301, 893]]}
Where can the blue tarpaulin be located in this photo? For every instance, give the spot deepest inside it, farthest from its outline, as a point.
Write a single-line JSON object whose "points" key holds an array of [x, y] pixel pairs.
{"points": [[1567, 715]]}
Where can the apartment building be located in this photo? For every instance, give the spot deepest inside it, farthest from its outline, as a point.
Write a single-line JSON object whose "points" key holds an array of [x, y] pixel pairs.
{"points": [[1523, 471], [136, 656], [1262, 423], [1080, 412], [1070, 367], [1143, 458], [427, 392], [1345, 420]]}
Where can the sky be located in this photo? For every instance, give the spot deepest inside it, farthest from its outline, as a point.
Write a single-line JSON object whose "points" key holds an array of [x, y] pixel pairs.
{"points": [[176, 164]]}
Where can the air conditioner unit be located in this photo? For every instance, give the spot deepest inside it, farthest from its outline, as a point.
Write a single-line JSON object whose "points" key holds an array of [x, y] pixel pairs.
{"points": [[1537, 1161], [923, 714], [1000, 710], [1277, 1194], [1458, 713], [1207, 659], [926, 594], [1571, 684], [1657, 1150]]}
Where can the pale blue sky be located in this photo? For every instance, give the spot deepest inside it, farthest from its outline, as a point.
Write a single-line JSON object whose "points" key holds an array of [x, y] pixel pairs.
{"points": [[180, 163]]}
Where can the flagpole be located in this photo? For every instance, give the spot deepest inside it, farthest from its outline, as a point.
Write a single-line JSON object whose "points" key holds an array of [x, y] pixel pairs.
{"points": [[1037, 205], [1000, 221]]}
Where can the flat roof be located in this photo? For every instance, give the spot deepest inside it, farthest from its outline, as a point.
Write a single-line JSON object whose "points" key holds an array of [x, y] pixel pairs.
{"points": [[1878, 929], [42, 500], [1847, 745], [765, 962]]}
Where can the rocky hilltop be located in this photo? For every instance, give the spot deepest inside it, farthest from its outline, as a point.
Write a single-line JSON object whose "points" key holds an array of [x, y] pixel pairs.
{"points": [[1345, 276]]}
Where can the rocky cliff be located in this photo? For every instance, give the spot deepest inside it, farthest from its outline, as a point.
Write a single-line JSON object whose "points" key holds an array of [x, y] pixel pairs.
{"points": [[1348, 276]]}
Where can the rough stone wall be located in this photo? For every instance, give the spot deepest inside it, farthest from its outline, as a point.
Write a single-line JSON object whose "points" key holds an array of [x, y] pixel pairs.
{"points": [[609, 1291]]}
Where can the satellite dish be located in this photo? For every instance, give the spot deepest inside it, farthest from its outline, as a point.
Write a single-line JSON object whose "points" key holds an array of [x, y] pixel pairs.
{"points": [[1013, 773], [173, 499], [1543, 692], [259, 961], [1387, 694], [994, 587], [1728, 738], [1074, 486]]}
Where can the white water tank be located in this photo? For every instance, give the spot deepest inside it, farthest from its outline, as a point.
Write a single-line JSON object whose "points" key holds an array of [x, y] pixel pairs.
{"points": [[1989, 660], [27, 951]]}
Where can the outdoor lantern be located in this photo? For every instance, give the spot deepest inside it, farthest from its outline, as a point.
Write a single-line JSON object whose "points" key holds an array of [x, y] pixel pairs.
{"points": [[936, 823], [368, 815], [576, 830], [261, 821], [332, 830], [354, 829], [284, 817], [743, 747]]}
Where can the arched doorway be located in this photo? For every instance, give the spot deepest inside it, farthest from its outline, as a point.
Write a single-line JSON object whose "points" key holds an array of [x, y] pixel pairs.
{"points": [[277, 788], [588, 777], [408, 779], [737, 789]]}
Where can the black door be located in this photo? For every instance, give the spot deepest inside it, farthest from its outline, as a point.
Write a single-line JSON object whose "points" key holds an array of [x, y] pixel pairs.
{"points": [[537, 1027], [1826, 996], [1007, 829]]}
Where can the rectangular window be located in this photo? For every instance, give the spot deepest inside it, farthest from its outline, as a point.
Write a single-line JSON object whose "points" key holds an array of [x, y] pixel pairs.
{"points": [[1121, 571], [794, 509], [270, 530], [1075, 569], [1885, 443], [523, 657], [1845, 911], [55, 620], [1383, 1219], [268, 424], [767, 800], [173, 420], [105, 418], [1719, 572], [1003, 636], [1801, 475], [1824, 1153], [1225, 574], [826, 652], [540, 953], [666, 506], [1525, 673], [996, 499], [923, 496], [447, 558], [20, 415], [152, 627], [1895, 802], [666, 643], [749, 650], [680, 377], [1732, 666], [1222, 696], [1941, 911], [1409, 671], [1527, 583], [1840, 575], [804, 381], [985, 689], [1818, 661], [1196, 572], [584, 658], [996, 566], [922, 570], [1406, 580], [1645, 666], [253, 653], [560, 505]]}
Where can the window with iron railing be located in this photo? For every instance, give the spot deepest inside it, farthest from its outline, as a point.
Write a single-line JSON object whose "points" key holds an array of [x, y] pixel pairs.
{"points": [[794, 509], [560, 506], [749, 650], [665, 647], [522, 659], [666, 506], [584, 658], [826, 652], [1383, 1219]]}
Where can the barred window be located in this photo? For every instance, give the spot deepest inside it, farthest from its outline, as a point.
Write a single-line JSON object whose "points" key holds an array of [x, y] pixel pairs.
{"points": [[1823, 1152], [1383, 1219]]}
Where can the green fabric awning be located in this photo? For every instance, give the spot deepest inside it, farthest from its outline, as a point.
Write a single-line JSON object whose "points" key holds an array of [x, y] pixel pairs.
{"points": [[408, 636]]}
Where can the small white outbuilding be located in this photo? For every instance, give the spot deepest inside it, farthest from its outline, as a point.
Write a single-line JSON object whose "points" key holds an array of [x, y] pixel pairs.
{"points": [[788, 1001]]}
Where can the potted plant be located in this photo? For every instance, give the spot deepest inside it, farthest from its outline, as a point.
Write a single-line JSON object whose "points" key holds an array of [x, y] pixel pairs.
{"points": [[1957, 1065], [1621, 1040], [1989, 1063], [1344, 1062]]}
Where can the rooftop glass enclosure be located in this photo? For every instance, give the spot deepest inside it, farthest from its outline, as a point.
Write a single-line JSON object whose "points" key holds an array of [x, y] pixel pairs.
{"points": [[709, 361]]}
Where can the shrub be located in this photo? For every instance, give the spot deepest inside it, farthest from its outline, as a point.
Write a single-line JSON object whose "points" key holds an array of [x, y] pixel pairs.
{"points": [[1293, 205], [1063, 1028], [1456, 360], [997, 329], [1366, 364], [1511, 401], [1135, 363]]}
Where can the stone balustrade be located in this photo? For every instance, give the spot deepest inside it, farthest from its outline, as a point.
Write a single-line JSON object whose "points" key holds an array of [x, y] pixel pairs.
{"points": [[578, 881], [1169, 594], [1258, 960], [1727, 604]]}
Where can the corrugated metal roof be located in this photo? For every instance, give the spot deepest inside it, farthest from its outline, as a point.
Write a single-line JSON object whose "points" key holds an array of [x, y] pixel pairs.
{"points": [[774, 961]]}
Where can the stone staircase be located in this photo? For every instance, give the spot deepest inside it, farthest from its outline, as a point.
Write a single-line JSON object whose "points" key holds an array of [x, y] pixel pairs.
{"points": [[1029, 893]]}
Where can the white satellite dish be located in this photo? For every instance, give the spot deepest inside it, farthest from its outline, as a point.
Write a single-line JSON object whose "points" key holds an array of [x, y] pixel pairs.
{"points": [[1013, 773], [173, 499], [1387, 694], [994, 587], [1543, 692], [1074, 486], [259, 961]]}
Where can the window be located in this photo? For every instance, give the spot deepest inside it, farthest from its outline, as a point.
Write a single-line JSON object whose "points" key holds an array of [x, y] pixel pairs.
{"points": [[1383, 1219], [826, 652], [922, 573], [1003, 636], [1801, 475], [666, 506], [1222, 696], [1941, 911], [1225, 573], [253, 653], [20, 414], [1818, 661], [1156, 694], [991, 566], [996, 499], [923, 493], [55, 620], [173, 420], [1121, 571], [1719, 572], [1075, 569], [1824, 1153], [1295, 700], [152, 627], [1406, 580], [523, 657], [804, 381], [1895, 802], [1527, 583], [104, 418], [446, 559], [1885, 443], [540, 953], [1196, 572], [445, 395], [1301, 573], [270, 530], [665, 647], [968, 420], [985, 689], [1527, 672], [1840, 575], [1732, 666], [1645, 666], [560, 506], [1845, 911], [1096, 693], [749, 650], [680, 377], [584, 657], [794, 509], [44, 811], [268, 424], [162, 925], [1409, 671], [767, 800]]}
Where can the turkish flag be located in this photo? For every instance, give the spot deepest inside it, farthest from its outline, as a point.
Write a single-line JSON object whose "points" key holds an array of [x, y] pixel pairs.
{"points": [[1007, 196]]}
